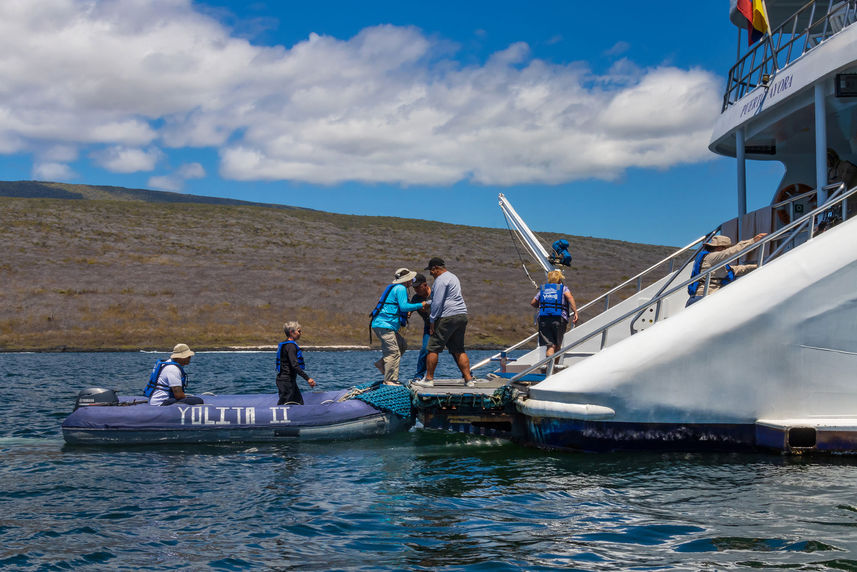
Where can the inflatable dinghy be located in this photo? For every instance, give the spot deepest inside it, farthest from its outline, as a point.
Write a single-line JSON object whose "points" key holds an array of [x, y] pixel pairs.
{"points": [[101, 417]]}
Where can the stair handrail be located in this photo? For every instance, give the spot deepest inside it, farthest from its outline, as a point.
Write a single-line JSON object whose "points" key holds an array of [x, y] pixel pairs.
{"points": [[624, 284], [601, 297], [830, 203], [837, 188], [666, 284]]}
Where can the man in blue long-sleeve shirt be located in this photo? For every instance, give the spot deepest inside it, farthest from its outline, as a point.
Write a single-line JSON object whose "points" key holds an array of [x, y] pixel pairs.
{"points": [[389, 315], [448, 321]]}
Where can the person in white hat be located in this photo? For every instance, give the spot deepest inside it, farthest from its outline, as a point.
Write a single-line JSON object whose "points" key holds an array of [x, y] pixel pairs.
{"points": [[391, 313], [719, 249], [168, 380]]}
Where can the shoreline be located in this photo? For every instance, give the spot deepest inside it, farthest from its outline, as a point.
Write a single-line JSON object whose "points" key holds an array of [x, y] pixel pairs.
{"points": [[215, 349]]}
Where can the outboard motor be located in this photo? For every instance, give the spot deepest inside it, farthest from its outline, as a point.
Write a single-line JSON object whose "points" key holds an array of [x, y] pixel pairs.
{"points": [[96, 396], [561, 254]]}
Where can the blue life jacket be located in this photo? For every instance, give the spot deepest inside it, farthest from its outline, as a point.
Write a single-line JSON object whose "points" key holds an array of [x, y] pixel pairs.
{"points": [[552, 302], [697, 266], [156, 372], [300, 355], [382, 301]]}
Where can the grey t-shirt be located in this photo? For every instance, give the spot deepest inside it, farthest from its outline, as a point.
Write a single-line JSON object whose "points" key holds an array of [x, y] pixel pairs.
{"points": [[446, 298]]}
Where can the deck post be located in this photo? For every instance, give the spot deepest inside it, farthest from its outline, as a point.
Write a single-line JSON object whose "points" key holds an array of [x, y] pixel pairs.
{"points": [[742, 178], [820, 143]]}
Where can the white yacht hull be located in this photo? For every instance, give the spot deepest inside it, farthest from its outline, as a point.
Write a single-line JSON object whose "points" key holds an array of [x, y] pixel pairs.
{"points": [[767, 362]]}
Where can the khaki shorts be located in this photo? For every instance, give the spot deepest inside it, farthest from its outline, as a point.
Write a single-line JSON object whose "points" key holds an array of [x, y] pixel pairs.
{"points": [[448, 333]]}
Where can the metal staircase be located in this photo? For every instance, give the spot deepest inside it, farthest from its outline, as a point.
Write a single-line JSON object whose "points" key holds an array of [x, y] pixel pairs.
{"points": [[601, 331]]}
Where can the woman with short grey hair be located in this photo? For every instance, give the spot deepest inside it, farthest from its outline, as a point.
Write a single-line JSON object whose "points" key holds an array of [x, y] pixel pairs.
{"points": [[290, 365]]}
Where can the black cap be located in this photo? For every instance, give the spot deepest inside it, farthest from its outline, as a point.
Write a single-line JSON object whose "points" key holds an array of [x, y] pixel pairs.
{"points": [[419, 279], [435, 262]]}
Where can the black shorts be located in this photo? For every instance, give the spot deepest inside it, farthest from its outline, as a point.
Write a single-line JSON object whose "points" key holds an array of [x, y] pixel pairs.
{"points": [[551, 330], [448, 333]]}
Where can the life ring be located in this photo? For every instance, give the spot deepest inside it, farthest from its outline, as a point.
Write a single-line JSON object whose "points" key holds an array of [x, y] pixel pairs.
{"points": [[787, 192]]}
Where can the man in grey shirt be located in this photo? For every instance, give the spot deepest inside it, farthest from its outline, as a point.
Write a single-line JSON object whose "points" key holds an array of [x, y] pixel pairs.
{"points": [[448, 322]]}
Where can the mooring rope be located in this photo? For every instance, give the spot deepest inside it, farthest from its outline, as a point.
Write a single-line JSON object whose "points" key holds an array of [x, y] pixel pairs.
{"points": [[515, 240]]}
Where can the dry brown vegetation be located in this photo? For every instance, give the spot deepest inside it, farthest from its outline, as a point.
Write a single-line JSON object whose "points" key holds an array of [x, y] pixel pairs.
{"points": [[118, 273]]}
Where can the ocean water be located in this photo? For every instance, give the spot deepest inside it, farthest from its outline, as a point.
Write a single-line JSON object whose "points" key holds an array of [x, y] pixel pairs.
{"points": [[414, 501]]}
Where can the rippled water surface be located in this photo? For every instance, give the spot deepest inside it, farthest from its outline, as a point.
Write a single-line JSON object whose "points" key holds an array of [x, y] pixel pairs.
{"points": [[417, 500]]}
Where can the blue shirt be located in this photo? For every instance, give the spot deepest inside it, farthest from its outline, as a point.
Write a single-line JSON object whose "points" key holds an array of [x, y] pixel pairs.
{"points": [[397, 300], [446, 298]]}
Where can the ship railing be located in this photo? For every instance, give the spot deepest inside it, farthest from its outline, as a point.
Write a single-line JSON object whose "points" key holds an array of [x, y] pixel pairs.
{"points": [[790, 205], [811, 25], [605, 298], [828, 211]]}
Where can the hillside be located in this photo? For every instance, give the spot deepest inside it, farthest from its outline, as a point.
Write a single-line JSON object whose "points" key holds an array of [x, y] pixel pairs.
{"points": [[110, 268]]}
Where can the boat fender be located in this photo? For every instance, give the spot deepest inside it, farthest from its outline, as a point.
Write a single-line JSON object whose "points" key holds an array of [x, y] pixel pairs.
{"points": [[96, 396], [557, 410]]}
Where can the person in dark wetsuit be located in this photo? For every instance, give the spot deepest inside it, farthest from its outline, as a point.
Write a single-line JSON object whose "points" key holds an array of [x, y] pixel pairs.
{"points": [[290, 365], [422, 292]]}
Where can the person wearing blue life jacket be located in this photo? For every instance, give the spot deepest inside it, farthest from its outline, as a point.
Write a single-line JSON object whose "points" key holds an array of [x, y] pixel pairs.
{"points": [[168, 380], [390, 314], [556, 305], [422, 292], [718, 249], [290, 365]]}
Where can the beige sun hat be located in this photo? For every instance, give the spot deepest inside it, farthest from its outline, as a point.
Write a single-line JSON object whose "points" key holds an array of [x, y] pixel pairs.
{"points": [[719, 240], [402, 275], [181, 351]]}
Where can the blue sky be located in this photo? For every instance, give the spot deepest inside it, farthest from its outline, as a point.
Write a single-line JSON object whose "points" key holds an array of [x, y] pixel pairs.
{"points": [[592, 122]]}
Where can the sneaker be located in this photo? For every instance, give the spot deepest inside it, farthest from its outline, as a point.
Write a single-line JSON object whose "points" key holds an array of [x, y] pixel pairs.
{"points": [[471, 383], [423, 383]]}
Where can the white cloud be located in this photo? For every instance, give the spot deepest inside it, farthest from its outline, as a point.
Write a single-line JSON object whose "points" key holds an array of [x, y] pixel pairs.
{"points": [[119, 77], [53, 172], [166, 183], [59, 153], [618, 48], [175, 181], [191, 171], [127, 160]]}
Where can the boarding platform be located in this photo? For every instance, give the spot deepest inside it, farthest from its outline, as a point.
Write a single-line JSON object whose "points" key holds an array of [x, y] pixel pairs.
{"points": [[485, 408]]}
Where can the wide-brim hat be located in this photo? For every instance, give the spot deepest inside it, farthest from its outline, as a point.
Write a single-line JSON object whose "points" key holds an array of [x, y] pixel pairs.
{"points": [[719, 240], [403, 275], [181, 351]]}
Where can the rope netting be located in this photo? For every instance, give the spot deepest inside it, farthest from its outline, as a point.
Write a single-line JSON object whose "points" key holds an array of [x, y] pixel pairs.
{"points": [[390, 398]]}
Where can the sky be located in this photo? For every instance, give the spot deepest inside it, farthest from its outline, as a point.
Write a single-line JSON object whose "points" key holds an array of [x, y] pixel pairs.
{"points": [[592, 121]]}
